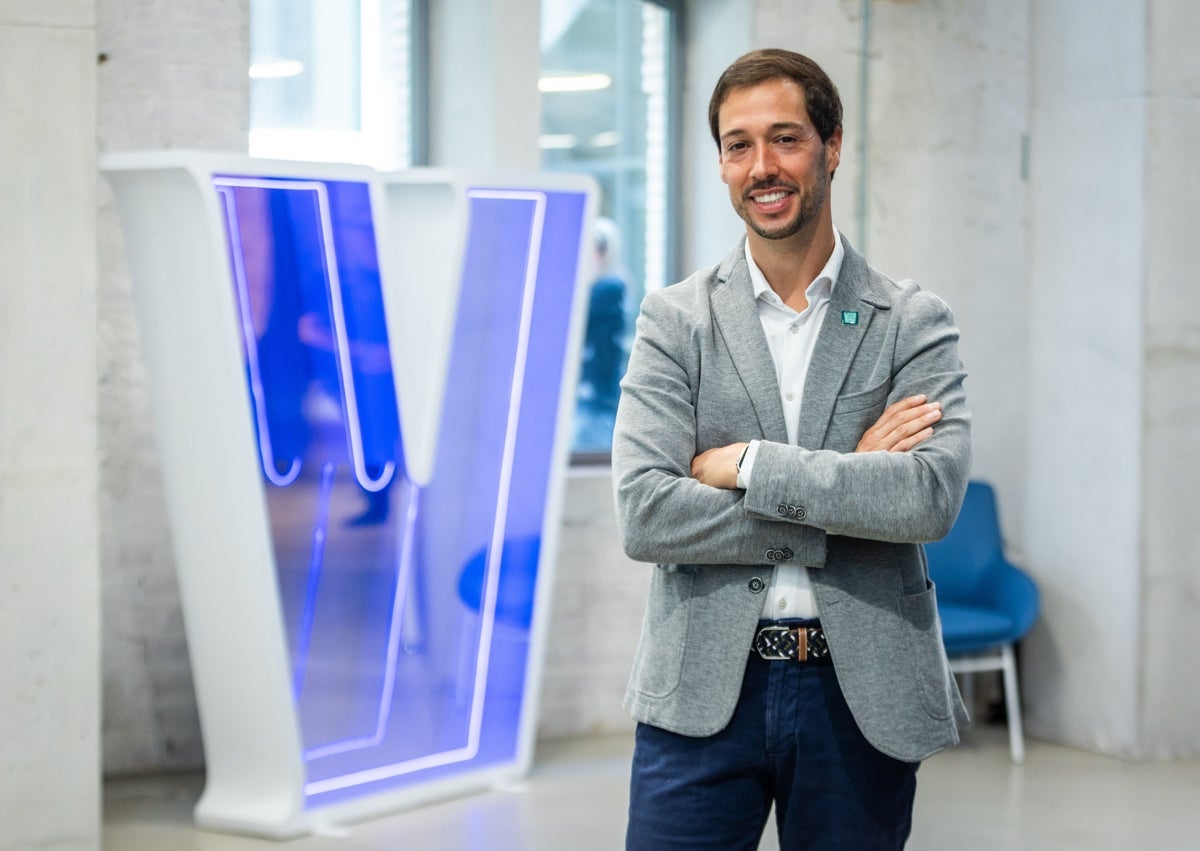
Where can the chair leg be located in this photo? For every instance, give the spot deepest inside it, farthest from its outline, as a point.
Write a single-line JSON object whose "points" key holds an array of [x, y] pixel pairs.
{"points": [[1012, 699], [968, 690]]}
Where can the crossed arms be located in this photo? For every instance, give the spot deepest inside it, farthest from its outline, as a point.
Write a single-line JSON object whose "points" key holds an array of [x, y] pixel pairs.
{"points": [[899, 428], [903, 480]]}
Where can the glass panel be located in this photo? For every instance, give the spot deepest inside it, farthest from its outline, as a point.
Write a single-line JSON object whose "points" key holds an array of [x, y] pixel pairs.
{"points": [[407, 606], [331, 81], [605, 112]]}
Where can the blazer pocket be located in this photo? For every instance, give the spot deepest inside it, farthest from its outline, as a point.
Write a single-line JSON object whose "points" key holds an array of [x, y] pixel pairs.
{"points": [[659, 664], [869, 399], [918, 612], [853, 414]]}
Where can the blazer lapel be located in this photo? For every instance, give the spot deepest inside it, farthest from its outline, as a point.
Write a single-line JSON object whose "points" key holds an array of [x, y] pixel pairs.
{"points": [[735, 313], [851, 307]]}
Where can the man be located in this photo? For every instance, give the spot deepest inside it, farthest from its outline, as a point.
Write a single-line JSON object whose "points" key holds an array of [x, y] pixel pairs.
{"points": [[792, 425]]}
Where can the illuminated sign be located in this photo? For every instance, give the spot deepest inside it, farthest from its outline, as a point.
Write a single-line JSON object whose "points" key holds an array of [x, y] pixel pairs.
{"points": [[400, 351]]}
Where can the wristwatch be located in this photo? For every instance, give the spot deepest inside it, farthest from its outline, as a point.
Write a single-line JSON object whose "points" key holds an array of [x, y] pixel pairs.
{"points": [[737, 465]]}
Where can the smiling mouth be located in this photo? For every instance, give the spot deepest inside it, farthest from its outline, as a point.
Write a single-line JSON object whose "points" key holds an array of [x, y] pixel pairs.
{"points": [[770, 197]]}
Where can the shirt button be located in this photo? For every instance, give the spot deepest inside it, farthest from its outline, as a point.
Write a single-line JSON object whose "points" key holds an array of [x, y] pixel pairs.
{"points": [[783, 604], [791, 397], [795, 329]]}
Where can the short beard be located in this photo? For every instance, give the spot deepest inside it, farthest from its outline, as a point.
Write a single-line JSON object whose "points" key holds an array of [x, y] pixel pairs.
{"points": [[810, 208]]}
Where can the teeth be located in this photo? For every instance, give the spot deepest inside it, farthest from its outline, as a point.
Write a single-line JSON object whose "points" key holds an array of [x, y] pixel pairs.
{"points": [[770, 198]]}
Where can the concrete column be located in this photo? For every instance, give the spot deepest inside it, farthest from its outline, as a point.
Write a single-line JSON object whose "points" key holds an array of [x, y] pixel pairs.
{"points": [[1083, 531], [49, 567], [718, 32], [484, 108], [1170, 580]]}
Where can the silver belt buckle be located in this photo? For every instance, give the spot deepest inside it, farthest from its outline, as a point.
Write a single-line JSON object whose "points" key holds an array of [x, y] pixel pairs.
{"points": [[768, 649]]}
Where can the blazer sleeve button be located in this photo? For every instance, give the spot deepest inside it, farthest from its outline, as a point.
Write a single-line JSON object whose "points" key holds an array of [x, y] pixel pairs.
{"points": [[800, 512], [783, 510]]}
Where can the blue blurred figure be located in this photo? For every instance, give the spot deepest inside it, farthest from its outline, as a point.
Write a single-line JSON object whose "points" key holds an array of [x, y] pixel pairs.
{"points": [[604, 347]]}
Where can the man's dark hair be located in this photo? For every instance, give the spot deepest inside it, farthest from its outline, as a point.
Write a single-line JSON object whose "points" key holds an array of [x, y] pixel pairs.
{"points": [[758, 66]]}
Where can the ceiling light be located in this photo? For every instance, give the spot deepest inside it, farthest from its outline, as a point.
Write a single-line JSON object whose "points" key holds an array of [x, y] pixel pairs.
{"points": [[276, 69], [607, 139], [574, 83], [557, 141]]}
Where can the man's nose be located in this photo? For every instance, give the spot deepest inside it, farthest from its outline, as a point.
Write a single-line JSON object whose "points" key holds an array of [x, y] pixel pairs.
{"points": [[765, 165]]}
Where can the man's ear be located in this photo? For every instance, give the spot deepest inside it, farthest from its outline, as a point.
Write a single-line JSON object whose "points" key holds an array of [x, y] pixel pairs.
{"points": [[833, 149]]}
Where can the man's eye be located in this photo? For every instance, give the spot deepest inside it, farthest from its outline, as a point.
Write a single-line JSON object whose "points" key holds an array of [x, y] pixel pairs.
{"points": [[735, 147]]}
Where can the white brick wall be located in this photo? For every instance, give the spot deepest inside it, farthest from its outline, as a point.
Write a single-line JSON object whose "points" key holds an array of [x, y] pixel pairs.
{"points": [[599, 597]]}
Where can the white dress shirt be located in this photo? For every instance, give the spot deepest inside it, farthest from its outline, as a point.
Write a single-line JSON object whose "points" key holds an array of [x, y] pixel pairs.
{"points": [[791, 337]]}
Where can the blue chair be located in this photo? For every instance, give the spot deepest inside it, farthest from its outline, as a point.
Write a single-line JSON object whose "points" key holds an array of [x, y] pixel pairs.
{"points": [[985, 603], [516, 583]]}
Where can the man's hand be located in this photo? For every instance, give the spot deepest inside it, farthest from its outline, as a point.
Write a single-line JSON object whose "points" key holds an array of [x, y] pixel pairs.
{"points": [[901, 426], [717, 467]]}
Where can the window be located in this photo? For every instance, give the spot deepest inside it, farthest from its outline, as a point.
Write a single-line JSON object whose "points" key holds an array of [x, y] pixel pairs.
{"points": [[334, 81], [607, 110]]}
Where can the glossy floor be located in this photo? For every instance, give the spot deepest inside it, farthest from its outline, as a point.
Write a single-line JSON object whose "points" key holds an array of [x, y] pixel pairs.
{"points": [[970, 798]]}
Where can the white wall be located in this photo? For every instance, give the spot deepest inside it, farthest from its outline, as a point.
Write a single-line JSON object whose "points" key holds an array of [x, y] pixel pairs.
{"points": [[49, 612], [1095, 355], [596, 617]]}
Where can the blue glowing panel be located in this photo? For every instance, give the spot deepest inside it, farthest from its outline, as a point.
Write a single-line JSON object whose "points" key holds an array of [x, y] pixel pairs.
{"points": [[407, 608]]}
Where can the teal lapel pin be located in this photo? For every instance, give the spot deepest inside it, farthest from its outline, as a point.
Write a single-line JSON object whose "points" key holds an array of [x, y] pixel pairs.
{"points": [[849, 317]]}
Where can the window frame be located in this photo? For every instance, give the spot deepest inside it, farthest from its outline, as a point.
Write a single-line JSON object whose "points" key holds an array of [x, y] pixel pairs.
{"points": [[363, 146], [672, 227]]}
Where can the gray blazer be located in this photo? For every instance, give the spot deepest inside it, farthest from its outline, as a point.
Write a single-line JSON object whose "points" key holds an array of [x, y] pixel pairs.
{"points": [[700, 375]]}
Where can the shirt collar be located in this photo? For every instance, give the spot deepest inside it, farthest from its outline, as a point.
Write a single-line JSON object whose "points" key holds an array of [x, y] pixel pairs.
{"points": [[822, 285]]}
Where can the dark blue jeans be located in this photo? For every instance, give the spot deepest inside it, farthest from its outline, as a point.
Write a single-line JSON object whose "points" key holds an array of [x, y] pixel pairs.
{"points": [[793, 743]]}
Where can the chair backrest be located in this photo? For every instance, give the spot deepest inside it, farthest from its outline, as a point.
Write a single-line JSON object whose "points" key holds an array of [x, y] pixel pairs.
{"points": [[959, 562], [517, 580]]}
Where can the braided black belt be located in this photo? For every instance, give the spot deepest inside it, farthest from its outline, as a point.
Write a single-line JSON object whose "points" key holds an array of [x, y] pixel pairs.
{"points": [[798, 643]]}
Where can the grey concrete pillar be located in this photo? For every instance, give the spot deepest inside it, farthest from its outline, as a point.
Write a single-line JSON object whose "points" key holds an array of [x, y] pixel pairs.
{"points": [[49, 566]]}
